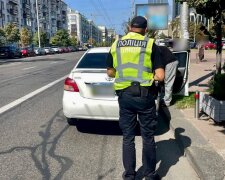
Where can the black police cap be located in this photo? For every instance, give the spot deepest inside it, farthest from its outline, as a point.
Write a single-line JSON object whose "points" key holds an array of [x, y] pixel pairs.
{"points": [[139, 22]]}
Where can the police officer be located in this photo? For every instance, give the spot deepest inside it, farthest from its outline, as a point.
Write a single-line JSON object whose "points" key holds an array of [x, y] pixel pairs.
{"points": [[135, 63]]}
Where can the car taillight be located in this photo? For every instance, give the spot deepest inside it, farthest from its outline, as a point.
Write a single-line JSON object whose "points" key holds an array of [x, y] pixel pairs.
{"points": [[70, 85]]}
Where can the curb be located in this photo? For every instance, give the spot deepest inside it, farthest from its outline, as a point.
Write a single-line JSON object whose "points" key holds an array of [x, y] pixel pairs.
{"points": [[207, 163]]}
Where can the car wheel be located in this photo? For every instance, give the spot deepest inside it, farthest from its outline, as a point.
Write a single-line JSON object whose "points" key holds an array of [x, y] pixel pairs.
{"points": [[72, 121]]}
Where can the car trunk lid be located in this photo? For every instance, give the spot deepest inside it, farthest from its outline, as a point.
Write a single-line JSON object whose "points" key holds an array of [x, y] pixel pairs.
{"points": [[94, 84]]}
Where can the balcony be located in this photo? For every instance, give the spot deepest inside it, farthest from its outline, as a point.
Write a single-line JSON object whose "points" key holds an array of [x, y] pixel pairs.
{"points": [[26, 5], [26, 15], [53, 3], [53, 16], [13, 1], [13, 11]]}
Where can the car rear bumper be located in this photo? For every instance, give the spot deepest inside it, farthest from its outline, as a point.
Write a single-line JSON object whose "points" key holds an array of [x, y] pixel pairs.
{"points": [[75, 106]]}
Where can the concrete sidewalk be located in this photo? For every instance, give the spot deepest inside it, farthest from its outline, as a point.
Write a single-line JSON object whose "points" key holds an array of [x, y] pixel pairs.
{"points": [[207, 149]]}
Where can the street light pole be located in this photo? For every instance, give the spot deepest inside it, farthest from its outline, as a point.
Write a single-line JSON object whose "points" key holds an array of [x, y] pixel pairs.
{"points": [[195, 27], [38, 27]]}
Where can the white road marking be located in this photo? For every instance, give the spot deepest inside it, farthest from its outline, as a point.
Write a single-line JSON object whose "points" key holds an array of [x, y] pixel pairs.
{"points": [[30, 95], [29, 68], [54, 62]]}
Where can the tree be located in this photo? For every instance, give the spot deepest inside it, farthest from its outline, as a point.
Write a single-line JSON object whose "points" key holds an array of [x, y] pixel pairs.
{"points": [[91, 41], [215, 9], [61, 38], [162, 36], [12, 33], [175, 26], [2, 37], [152, 33], [25, 37], [73, 41], [43, 39]]}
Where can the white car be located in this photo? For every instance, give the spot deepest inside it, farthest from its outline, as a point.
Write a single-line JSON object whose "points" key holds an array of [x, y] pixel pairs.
{"points": [[88, 91]]}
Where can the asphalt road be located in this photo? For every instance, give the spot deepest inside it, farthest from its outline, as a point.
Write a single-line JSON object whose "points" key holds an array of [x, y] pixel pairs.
{"points": [[37, 143]]}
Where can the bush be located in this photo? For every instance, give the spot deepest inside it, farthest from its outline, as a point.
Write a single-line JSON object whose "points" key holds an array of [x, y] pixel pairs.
{"points": [[217, 86]]}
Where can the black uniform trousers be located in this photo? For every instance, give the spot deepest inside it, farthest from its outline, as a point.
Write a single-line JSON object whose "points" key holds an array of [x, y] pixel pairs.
{"points": [[143, 107]]}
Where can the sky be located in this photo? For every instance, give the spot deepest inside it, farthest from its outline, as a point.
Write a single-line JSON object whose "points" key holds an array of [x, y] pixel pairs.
{"points": [[109, 13]]}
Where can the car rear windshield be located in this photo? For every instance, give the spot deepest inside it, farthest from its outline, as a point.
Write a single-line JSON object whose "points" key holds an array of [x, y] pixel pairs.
{"points": [[94, 60]]}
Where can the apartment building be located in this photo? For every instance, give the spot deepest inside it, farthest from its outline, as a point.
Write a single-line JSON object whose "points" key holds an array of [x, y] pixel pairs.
{"points": [[111, 35], [95, 32], [104, 32], [82, 28], [157, 1], [52, 14], [9, 12]]}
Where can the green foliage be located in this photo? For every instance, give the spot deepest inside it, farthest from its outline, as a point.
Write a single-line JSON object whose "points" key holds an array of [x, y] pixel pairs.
{"points": [[183, 102], [61, 38], [210, 8], [2, 37], [162, 36], [12, 33], [73, 41], [43, 39], [152, 33], [175, 26], [217, 86], [91, 41], [25, 37]]}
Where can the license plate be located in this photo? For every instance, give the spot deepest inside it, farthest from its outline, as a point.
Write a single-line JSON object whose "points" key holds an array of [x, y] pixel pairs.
{"points": [[103, 89]]}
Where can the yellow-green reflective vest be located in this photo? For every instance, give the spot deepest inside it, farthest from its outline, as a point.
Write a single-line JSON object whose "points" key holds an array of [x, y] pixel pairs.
{"points": [[132, 60]]}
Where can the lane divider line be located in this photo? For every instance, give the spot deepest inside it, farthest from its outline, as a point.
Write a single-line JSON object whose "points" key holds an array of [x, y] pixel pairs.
{"points": [[30, 68], [54, 62], [30, 95]]}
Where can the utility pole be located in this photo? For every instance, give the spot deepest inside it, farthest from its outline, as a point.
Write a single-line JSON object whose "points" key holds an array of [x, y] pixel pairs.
{"points": [[133, 8], [38, 27], [184, 20]]}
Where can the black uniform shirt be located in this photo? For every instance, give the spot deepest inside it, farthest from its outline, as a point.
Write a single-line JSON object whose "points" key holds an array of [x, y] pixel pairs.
{"points": [[166, 55], [157, 61]]}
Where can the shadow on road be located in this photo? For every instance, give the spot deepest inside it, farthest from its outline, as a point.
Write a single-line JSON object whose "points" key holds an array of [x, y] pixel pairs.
{"points": [[168, 154], [99, 127], [42, 152], [102, 127]]}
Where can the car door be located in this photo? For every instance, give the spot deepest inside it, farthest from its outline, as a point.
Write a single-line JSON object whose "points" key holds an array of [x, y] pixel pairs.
{"points": [[181, 83]]}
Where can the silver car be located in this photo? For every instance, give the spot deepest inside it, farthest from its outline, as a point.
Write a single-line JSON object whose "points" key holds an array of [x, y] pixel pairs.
{"points": [[39, 51], [49, 50]]}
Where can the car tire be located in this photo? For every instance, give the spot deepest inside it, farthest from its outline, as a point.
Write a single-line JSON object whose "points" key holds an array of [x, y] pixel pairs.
{"points": [[72, 121]]}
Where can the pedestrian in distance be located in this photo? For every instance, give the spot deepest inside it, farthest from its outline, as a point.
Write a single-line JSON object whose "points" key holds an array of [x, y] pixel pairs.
{"points": [[203, 37], [134, 61], [171, 63]]}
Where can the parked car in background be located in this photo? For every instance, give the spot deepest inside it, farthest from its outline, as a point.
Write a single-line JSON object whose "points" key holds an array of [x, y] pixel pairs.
{"points": [[10, 52], [55, 49], [28, 51], [65, 49], [39, 51], [72, 49], [80, 48], [209, 45], [223, 42], [192, 44], [49, 50], [61, 50]]}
